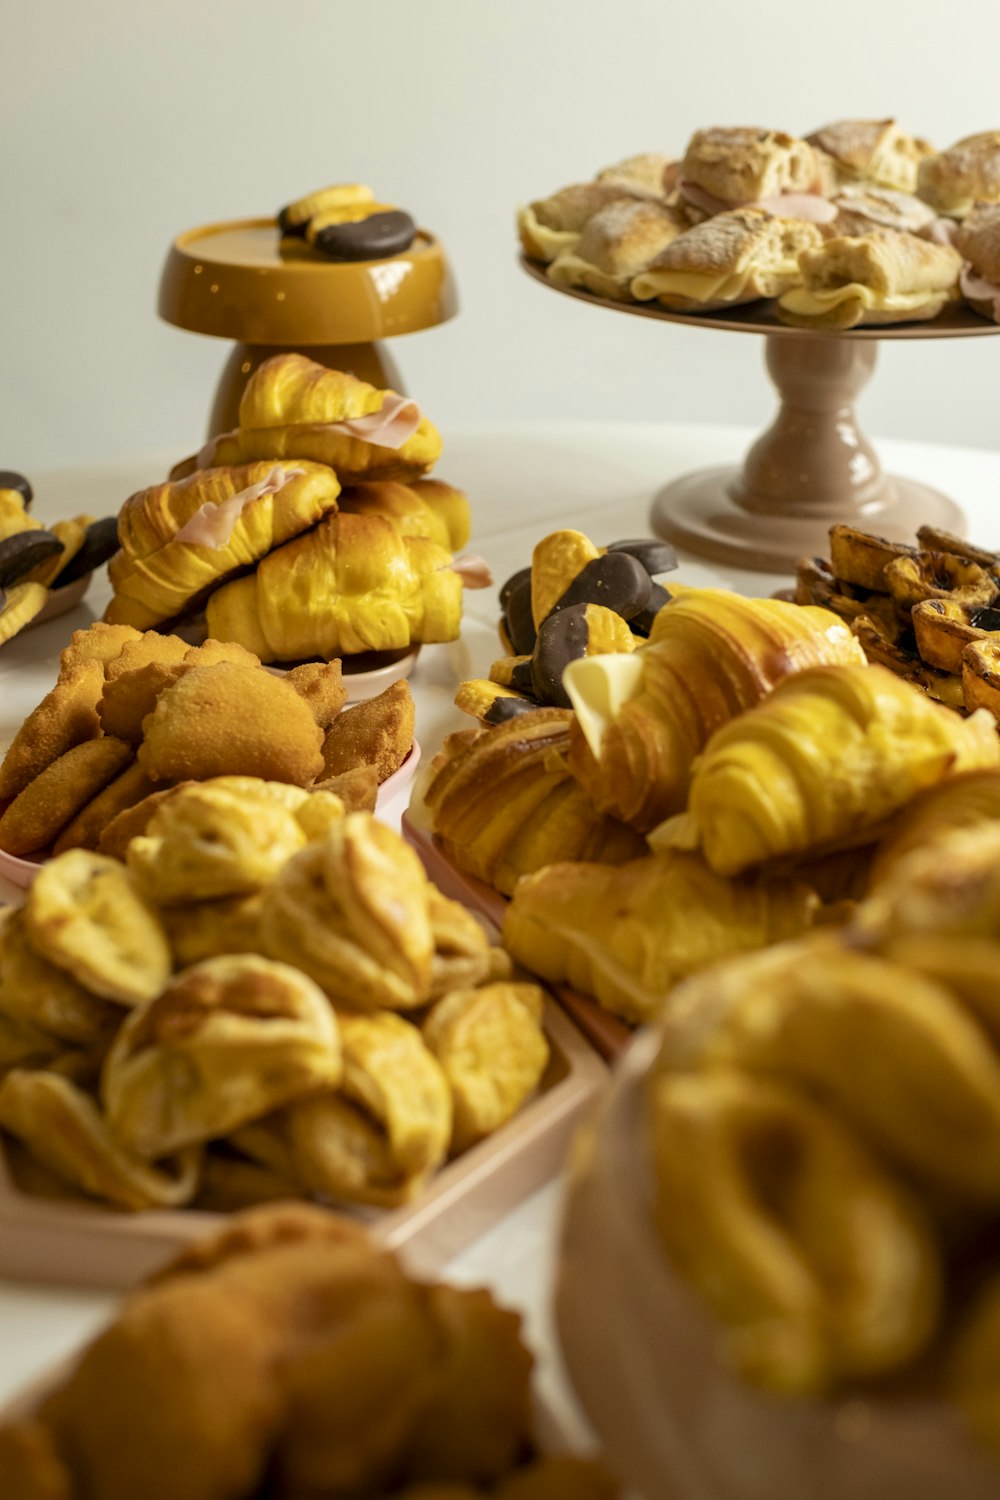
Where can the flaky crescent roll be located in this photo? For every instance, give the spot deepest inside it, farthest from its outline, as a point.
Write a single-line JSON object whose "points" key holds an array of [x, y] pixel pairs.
{"points": [[295, 408], [180, 540], [730, 259], [882, 277]]}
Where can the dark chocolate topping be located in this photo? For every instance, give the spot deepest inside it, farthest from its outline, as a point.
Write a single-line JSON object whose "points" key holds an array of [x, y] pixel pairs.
{"points": [[503, 708], [23, 551], [10, 479], [519, 619], [642, 623], [655, 556], [512, 582], [373, 238], [521, 677], [561, 639], [617, 580], [986, 618], [99, 543]]}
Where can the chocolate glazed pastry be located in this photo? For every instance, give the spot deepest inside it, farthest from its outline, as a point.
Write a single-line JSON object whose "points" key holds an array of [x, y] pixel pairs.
{"points": [[617, 580], [10, 479], [374, 238], [24, 551], [100, 542]]}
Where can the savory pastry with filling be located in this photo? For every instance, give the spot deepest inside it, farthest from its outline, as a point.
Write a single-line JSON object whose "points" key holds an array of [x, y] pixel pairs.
{"points": [[882, 277], [550, 226], [862, 207], [728, 260], [872, 151], [968, 173], [729, 167], [978, 242], [617, 243], [651, 173]]}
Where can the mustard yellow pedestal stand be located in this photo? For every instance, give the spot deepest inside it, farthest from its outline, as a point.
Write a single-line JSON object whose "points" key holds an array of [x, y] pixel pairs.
{"points": [[244, 280], [812, 467]]}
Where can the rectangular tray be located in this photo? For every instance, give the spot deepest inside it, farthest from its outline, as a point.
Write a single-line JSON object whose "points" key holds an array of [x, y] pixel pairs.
{"points": [[73, 1242], [608, 1033]]}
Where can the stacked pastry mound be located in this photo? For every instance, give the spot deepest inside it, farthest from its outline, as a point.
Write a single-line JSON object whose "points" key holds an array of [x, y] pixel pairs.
{"points": [[930, 612], [858, 222], [714, 790], [823, 1129], [34, 560], [288, 1356], [309, 531], [267, 998], [135, 714]]}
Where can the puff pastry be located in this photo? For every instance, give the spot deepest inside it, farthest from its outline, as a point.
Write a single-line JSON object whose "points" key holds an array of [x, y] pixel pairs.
{"points": [[427, 508], [294, 408], [883, 277], [616, 244], [730, 259], [968, 173], [727, 167], [180, 540], [875, 151], [227, 1041], [978, 242], [551, 226]]}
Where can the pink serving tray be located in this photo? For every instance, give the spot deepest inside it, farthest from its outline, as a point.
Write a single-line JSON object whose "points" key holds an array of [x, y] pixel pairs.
{"points": [[607, 1032]]}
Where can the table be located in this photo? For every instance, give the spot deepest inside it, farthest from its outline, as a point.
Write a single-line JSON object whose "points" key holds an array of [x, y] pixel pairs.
{"points": [[524, 481]]}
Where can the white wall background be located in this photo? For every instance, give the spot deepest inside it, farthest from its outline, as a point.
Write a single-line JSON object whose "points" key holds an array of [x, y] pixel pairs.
{"points": [[123, 123]]}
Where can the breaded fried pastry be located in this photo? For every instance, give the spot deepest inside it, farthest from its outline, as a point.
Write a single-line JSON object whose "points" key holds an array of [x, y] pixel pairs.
{"points": [[39, 814], [66, 717], [378, 733]]}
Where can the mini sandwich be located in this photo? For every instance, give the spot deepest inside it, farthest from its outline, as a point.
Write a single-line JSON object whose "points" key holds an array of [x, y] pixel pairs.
{"points": [[550, 226], [978, 242], [883, 277], [616, 245], [966, 174], [729, 259], [726, 168], [860, 209], [872, 151], [650, 173]]}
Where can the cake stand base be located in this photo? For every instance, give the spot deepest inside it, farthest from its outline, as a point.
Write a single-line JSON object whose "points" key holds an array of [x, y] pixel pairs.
{"points": [[701, 512], [371, 362]]}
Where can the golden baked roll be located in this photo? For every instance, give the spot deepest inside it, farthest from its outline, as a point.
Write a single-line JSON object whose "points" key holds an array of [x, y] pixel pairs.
{"points": [[231, 720], [954, 181], [209, 929], [463, 954], [294, 408], [426, 507], [227, 1041], [491, 1045], [820, 1267], [978, 242], [642, 718], [732, 258], [615, 245], [353, 583], [392, 1075], [503, 803], [883, 277], [352, 911], [826, 758], [649, 172], [962, 801], [875, 151], [627, 935], [552, 226], [37, 992], [209, 841], [62, 1126], [727, 167], [181, 540], [86, 915], [868, 1036]]}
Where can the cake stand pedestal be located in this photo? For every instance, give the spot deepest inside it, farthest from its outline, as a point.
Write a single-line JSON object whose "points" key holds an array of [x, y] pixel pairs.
{"points": [[272, 294], [813, 466]]}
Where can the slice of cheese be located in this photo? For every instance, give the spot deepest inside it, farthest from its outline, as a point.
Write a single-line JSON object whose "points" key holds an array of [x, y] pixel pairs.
{"points": [[809, 303], [598, 687]]}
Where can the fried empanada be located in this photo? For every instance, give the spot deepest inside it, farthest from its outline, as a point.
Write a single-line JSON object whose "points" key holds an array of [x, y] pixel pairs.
{"points": [[66, 717], [321, 685], [39, 814], [85, 830], [378, 732]]}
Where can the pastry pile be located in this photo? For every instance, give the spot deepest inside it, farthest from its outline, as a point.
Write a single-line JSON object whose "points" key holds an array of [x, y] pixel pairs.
{"points": [[858, 223], [266, 999], [824, 1132], [310, 531], [930, 612], [288, 1356], [34, 560], [574, 600], [135, 714]]}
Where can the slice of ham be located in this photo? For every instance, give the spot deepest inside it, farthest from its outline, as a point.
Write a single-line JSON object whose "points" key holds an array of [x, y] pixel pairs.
{"points": [[940, 231], [473, 570], [809, 206], [977, 289], [396, 421], [213, 525]]}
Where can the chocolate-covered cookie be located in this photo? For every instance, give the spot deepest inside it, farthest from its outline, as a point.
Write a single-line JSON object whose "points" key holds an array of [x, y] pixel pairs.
{"points": [[519, 620], [502, 709], [617, 580], [373, 238], [10, 479], [642, 623], [512, 582], [579, 630], [99, 543], [655, 556], [25, 551]]}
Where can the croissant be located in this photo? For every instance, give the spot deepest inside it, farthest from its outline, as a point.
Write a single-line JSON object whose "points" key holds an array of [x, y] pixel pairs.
{"points": [[503, 803], [180, 540], [627, 935], [353, 583], [826, 759], [644, 717], [427, 507], [293, 407]]}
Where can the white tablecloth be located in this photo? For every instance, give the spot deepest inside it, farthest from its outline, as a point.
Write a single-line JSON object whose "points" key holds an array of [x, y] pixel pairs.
{"points": [[523, 481]]}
